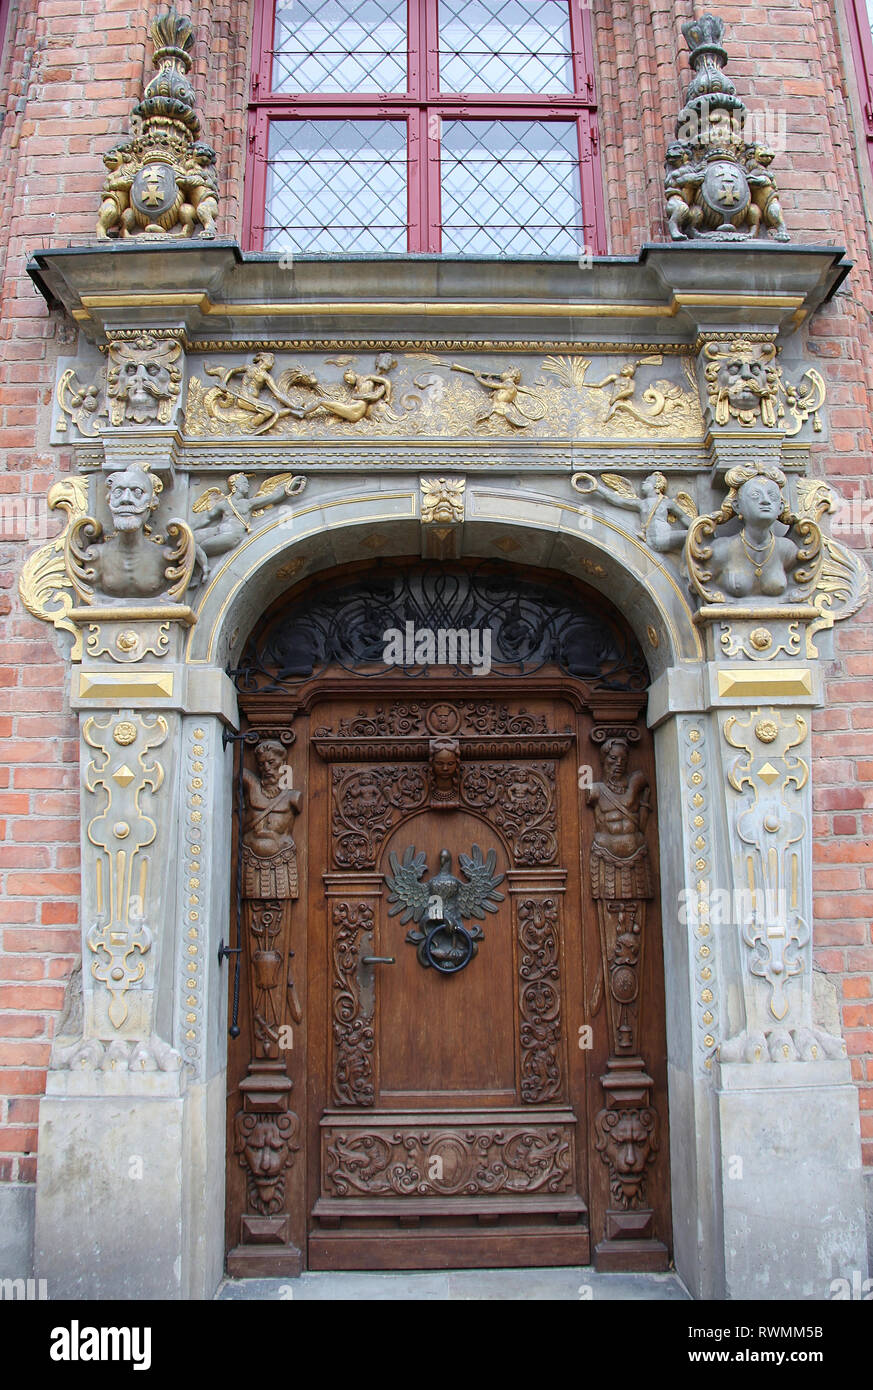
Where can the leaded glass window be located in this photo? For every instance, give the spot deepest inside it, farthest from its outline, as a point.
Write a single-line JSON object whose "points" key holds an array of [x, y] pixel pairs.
{"points": [[454, 126]]}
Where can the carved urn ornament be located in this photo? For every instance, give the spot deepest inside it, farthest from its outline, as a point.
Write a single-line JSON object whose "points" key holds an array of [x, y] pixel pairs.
{"points": [[717, 182], [160, 181]]}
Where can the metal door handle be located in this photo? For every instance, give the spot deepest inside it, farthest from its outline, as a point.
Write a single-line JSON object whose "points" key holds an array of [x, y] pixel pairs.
{"points": [[377, 960]]}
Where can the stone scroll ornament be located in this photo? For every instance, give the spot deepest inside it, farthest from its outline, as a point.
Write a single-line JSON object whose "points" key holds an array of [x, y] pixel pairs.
{"points": [[717, 183], [265, 1128], [621, 886], [160, 180], [753, 559]]}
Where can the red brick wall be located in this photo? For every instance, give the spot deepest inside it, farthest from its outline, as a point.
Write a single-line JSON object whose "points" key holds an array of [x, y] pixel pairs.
{"points": [[71, 72]]}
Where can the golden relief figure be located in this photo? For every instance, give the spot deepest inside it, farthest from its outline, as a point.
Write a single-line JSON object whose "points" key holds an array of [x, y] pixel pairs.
{"points": [[225, 518], [507, 395], [386, 397]]}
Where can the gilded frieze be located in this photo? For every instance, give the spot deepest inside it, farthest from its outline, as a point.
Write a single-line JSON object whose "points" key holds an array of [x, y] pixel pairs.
{"points": [[353, 395]]}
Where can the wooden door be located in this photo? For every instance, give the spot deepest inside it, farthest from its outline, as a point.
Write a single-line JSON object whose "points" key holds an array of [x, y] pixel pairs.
{"points": [[446, 1060], [446, 1129]]}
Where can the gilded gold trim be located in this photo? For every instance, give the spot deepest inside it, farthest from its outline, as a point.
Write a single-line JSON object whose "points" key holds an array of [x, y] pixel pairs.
{"points": [[129, 685], [765, 685], [433, 308], [176, 612], [710, 612]]}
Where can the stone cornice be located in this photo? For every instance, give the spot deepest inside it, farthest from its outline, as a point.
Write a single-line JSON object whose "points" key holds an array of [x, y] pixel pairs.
{"points": [[666, 294]]}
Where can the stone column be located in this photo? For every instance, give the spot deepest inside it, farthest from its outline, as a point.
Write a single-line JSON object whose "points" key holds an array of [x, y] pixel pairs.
{"points": [[754, 1075], [132, 1127]]}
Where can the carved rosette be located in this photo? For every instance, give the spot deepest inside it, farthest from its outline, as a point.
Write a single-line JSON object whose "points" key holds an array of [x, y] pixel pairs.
{"points": [[353, 1036], [539, 999]]}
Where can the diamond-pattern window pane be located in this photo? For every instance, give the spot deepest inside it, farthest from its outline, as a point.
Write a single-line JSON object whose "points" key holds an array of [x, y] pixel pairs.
{"points": [[340, 47], [511, 187], [515, 46], [336, 187]]}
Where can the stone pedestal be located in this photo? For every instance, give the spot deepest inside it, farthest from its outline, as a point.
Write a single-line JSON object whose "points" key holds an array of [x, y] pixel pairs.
{"points": [[131, 1186], [791, 1181]]}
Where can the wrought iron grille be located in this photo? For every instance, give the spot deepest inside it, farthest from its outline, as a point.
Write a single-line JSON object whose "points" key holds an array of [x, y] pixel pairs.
{"points": [[531, 625]]}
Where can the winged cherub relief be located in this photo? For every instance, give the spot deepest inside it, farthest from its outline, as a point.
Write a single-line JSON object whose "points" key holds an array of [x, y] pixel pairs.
{"points": [[663, 520], [225, 518]]}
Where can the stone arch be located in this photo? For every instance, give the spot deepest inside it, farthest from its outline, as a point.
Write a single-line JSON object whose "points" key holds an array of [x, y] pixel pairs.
{"points": [[503, 522]]}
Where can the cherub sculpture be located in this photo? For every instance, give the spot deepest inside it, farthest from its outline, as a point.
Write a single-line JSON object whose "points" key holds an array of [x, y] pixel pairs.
{"points": [[656, 511], [225, 518]]}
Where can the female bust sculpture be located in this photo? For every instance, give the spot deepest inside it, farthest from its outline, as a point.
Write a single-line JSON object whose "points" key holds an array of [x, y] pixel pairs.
{"points": [[754, 560]]}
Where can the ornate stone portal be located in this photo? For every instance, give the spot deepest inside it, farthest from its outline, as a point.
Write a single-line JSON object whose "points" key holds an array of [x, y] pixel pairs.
{"points": [[671, 470]]}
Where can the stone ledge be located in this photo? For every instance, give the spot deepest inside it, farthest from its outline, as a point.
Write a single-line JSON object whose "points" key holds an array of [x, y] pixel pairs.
{"points": [[213, 290]]}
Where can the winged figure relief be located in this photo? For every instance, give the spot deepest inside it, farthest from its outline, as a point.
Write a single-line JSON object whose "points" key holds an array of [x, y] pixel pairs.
{"points": [[442, 902], [663, 520], [225, 518]]}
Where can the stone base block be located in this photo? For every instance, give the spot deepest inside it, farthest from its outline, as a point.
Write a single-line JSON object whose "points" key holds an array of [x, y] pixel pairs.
{"points": [[127, 1206], [791, 1178], [16, 1230], [264, 1261]]}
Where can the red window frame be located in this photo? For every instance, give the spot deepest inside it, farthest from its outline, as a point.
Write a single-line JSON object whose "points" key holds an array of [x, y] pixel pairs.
{"points": [[861, 40], [421, 101]]}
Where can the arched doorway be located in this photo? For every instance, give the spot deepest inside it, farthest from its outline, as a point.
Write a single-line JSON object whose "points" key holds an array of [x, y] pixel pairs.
{"points": [[450, 999]]}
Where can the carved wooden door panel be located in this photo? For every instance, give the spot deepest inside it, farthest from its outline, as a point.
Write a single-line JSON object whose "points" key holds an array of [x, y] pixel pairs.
{"points": [[448, 1035], [452, 1125], [447, 1011]]}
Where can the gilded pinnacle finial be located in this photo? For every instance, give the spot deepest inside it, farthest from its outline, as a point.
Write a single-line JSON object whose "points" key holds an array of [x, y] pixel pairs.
{"points": [[717, 184], [160, 181]]}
